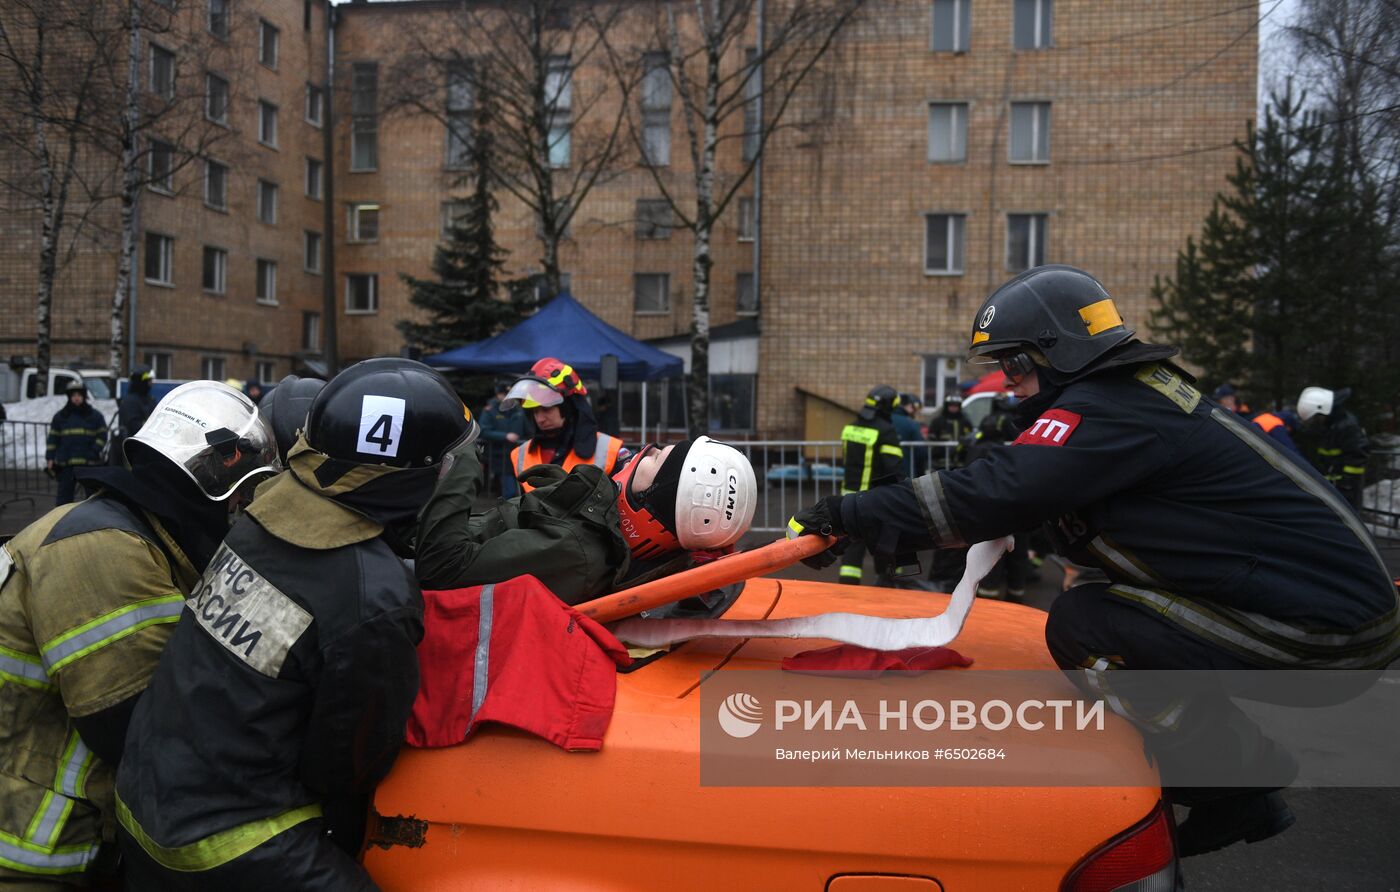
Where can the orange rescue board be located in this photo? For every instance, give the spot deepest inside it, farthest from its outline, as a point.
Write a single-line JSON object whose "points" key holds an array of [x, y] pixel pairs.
{"points": [[727, 570]]}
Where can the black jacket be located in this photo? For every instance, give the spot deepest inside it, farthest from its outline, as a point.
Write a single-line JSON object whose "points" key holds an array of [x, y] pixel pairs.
{"points": [[76, 436], [1134, 472], [871, 454], [287, 683], [1340, 449]]}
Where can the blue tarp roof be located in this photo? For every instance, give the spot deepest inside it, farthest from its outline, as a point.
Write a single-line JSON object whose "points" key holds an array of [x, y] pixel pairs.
{"points": [[566, 329]]}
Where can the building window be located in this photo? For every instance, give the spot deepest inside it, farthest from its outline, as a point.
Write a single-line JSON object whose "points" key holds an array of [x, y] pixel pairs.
{"points": [[216, 185], [1030, 132], [746, 219], [753, 90], [310, 330], [452, 213], [160, 166], [364, 223], [218, 18], [361, 293], [943, 244], [265, 371], [1025, 241], [162, 72], [732, 402], [268, 37], [211, 368], [267, 202], [651, 293], [162, 364], [952, 26], [745, 297], [558, 97], [364, 110], [311, 252], [947, 132], [215, 98], [313, 178], [315, 105], [940, 376], [160, 250], [1031, 25], [267, 123], [654, 218], [656, 110], [459, 116], [267, 281], [215, 276]]}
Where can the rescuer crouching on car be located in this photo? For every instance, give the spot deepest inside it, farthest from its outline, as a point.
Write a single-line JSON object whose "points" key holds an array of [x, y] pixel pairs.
{"points": [[282, 697], [582, 533], [89, 595], [1221, 550]]}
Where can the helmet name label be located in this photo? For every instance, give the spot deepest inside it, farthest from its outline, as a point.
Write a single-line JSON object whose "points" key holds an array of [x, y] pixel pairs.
{"points": [[381, 426]]}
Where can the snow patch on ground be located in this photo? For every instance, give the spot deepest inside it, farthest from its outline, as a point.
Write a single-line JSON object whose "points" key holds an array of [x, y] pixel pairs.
{"points": [[22, 445]]}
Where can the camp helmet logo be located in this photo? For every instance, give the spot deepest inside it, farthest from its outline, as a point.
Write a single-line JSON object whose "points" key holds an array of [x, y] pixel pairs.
{"points": [[740, 715], [987, 317]]}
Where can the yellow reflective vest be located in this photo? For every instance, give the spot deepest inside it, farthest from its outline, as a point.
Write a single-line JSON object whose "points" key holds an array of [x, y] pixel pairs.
{"points": [[89, 593]]}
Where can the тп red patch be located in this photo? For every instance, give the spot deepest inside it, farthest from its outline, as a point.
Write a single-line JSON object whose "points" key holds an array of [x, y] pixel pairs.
{"points": [[1051, 429]]}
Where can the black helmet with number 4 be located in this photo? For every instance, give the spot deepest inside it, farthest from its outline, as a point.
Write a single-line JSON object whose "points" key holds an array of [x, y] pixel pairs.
{"points": [[393, 412], [1057, 311]]}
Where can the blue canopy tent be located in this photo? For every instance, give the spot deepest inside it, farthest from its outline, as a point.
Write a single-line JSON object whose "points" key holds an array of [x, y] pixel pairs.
{"points": [[566, 329]]}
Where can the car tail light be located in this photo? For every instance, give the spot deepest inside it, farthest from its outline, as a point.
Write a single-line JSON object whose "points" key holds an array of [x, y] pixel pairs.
{"points": [[1142, 859]]}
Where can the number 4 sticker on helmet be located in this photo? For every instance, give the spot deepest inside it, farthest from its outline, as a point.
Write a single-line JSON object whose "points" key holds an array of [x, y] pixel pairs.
{"points": [[381, 426]]}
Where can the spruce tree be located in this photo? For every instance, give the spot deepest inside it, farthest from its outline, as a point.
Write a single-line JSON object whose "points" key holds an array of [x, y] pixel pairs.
{"points": [[1281, 289], [462, 301]]}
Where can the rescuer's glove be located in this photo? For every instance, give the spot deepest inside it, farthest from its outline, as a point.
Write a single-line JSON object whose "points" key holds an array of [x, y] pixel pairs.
{"points": [[821, 519]]}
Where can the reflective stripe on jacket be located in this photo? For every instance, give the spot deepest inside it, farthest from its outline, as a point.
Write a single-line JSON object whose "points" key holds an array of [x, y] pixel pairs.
{"points": [[871, 455], [530, 453], [88, 595]]}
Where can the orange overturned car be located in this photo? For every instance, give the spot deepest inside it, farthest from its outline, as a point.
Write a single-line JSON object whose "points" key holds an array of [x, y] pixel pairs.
{"points": [[510, 811]]}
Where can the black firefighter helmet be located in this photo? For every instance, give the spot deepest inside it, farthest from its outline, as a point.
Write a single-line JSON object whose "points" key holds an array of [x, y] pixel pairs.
{"points": [[879, 403], [1057, 311], [393, 412]]}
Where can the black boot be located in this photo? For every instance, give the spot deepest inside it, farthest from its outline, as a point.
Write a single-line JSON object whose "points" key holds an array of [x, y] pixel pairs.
{"points": [[1251, 816]]}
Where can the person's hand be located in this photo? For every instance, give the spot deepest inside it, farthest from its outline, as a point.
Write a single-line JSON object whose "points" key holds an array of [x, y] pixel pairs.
{"points": [[51, 466], [512, 437], [821, 519]]}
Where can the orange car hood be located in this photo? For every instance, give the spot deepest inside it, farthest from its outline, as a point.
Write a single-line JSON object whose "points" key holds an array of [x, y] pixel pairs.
{"points": [[510, 811]]}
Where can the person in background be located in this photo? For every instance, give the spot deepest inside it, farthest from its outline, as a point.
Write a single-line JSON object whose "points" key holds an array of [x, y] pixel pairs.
{"points": [[1339, 448], [871, 457], [1229, 400], [1008, 578], [906, 427], [285, 406], [135, 407], [253, 389], [950, 426], [502, 429], [77, 434], [566, 429], [1279, 426], [89, 594], [250, 759]]}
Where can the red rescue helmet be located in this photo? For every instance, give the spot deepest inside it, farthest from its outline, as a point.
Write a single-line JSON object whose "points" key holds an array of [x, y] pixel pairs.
{"points": [[550, 380]]}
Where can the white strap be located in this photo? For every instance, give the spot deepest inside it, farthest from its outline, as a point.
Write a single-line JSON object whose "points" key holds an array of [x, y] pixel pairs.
{"points": [[875, 632]]}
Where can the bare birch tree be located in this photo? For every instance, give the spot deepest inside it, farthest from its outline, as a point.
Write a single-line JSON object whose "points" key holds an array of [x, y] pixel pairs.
{"points": [[51, 91], [542, 66], [734, 68]]}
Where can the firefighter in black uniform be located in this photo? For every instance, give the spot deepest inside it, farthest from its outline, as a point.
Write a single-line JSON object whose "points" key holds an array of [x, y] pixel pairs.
{"points": [[1221, 551], [999, 428], [282, 697], [950, 425], [1335, 440], [871, 457]]}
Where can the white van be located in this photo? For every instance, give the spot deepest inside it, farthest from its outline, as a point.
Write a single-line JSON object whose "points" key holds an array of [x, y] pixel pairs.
{"points": [[26, 384]]}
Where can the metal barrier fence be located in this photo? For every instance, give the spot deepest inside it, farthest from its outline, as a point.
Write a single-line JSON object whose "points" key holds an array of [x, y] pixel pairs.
{"points": [[1380, 500], [22, 477], [793, 474]]}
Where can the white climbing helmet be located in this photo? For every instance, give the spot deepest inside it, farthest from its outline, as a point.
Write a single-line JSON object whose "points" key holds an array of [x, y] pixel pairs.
{"points": [[716, 497], [1314, 401]]}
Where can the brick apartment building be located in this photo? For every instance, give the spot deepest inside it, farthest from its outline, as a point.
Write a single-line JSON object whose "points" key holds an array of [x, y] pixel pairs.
{"points": [[948, 144]]}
